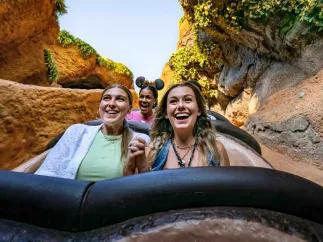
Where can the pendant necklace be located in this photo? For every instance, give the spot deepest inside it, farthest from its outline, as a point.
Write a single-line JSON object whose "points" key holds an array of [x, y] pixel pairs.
{"points": [[180, 160]]}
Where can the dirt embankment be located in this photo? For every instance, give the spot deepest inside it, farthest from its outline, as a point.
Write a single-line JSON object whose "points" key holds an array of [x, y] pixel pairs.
{"points": [[291, 121]]}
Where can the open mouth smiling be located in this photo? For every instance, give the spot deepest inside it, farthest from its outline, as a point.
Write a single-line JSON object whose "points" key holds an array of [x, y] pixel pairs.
{"points": [[182, 116], [144, 105], [111, 111]]}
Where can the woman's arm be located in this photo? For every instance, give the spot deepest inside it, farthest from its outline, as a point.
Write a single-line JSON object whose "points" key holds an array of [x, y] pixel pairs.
{"points": [[31, 165], [61, 154], [223, 155]]}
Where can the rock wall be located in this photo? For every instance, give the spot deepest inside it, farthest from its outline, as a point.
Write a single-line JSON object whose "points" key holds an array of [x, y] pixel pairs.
{"points": [[26, 26], [291, 121], [246, 52], [32, 115], [75, 71]]}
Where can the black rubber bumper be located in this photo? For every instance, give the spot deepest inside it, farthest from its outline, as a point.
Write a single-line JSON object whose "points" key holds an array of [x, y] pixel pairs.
{"points": [[70, 205]]}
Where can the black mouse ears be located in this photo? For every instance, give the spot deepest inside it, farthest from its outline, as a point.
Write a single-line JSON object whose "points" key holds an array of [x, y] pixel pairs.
{"points": [[159, 84], [141, 82]]}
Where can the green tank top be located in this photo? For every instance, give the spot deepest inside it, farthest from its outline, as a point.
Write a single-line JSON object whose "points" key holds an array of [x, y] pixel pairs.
{"points": [[102, 161]]}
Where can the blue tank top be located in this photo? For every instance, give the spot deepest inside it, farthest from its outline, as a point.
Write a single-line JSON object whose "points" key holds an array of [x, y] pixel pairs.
{"points": [[162, 154]]}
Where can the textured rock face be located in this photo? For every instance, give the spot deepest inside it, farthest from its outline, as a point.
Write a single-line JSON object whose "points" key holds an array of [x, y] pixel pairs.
{"points": [[265, 56], [26, 26], [237, 111], [291, 120], [271, 52], [30, 116], [75, 71], [27, 29]]}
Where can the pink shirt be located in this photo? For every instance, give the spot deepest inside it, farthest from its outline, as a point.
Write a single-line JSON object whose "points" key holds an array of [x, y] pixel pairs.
{"points": [[136, 115]]}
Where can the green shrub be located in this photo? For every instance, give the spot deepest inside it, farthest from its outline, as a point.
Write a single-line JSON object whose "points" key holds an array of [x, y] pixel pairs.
{"points": [[187, 62], [115, 66], [60, 7], [204, 12], [65, 39], [105, 62], [51, 66], [121, 68], [236, 13], [201, 62], [85, 49], [181, 20]]}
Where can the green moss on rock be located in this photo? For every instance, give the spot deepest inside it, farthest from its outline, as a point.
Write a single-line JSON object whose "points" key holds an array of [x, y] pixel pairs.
{"points": [[201, 62], [65, 39], [237, 13], [111, 65], [60, 7], [51, 66]]}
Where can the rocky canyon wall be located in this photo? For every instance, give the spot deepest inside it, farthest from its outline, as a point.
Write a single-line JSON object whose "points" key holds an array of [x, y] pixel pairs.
{"points": [[49, 79], [254, 57]]}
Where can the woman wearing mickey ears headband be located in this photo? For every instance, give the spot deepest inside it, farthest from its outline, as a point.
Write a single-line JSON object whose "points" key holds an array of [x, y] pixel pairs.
{"points": [[148, 95]]}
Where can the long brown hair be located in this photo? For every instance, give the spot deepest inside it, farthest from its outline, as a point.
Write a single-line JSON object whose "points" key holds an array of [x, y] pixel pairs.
{"points": [[204, 134], [127, 134]]}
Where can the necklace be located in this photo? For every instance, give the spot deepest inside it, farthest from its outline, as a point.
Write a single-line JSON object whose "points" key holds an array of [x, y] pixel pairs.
{"points": [[180, 160], [183, 147]]}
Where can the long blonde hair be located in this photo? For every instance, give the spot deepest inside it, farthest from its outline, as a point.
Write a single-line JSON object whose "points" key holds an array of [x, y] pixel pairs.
{"points": [[127, 133], [204, 134]]}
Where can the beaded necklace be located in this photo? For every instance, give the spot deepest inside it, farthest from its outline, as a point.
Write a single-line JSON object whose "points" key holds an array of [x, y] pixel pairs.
{"points": [[181, 162]]}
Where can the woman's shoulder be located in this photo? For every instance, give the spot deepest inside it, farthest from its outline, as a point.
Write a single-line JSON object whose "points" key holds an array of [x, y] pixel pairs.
{"points": [[81, 127]]}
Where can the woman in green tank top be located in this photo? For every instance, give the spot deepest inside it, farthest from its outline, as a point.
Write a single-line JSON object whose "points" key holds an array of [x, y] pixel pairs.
{"points": [[96, 152]]}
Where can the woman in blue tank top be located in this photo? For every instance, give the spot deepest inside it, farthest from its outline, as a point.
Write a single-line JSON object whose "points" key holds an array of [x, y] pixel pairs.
{"points": [[182, 135]]}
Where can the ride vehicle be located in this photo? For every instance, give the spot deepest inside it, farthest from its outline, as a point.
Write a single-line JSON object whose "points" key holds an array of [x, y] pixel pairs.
{"points": [[192, 204]]}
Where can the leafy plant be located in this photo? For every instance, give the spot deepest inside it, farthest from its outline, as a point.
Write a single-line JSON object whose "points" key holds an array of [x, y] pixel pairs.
{"points": [[60, 7], [111, 65], [51, 66], [66, 39], [187, 62], [121, 68], [236, 13], [204, 12], [105, 62], [181, 20], [201, 61], [85, 49]]}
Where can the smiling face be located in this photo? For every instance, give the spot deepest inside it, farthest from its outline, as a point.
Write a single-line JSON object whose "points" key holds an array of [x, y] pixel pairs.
{"points": [[146, 102], [114, 107], [182, 109]]}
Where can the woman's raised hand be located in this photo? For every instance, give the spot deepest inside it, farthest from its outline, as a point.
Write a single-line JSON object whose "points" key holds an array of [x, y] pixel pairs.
{"points": [[136, 157]]}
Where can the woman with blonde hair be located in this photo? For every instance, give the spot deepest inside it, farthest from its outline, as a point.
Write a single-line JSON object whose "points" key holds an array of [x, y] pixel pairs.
{"points": [[98, 152], [183, 136]]}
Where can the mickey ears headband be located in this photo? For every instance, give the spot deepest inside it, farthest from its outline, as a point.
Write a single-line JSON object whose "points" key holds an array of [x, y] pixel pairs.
{"points": [[142, 82]]}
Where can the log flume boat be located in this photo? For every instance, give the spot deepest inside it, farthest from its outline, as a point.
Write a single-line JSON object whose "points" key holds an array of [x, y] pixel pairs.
{"points": [[240, 203]]}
